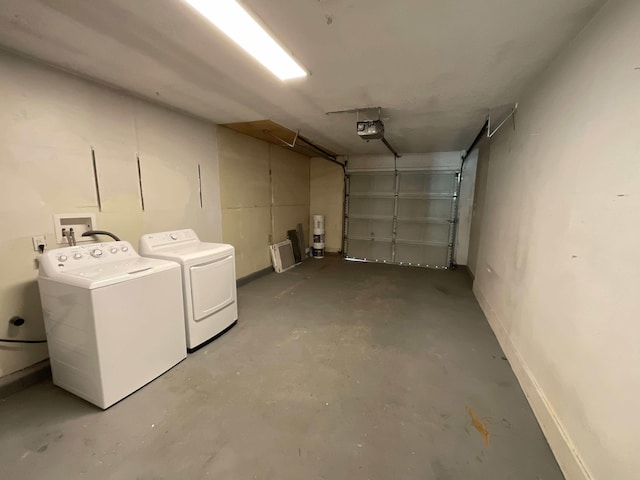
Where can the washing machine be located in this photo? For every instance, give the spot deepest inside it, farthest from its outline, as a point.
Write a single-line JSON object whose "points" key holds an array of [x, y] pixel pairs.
{"points": [[208, 279], [113, 319]]}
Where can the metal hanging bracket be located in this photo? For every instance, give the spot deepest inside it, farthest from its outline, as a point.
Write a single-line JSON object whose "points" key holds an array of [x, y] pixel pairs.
{"points": [[290, 145], [355, 110], [492, 133], [304, 144], [379, 109], [390, 148]]}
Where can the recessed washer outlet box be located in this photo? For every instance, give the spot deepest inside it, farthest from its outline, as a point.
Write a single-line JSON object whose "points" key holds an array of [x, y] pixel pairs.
{"points": [[80, 222]]}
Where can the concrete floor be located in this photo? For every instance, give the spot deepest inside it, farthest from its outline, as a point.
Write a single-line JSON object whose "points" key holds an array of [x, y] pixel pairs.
{"points": [[336, 370]]}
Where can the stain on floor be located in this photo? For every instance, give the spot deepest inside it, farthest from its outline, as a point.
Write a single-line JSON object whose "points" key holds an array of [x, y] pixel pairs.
{"points": [[479, 426]]}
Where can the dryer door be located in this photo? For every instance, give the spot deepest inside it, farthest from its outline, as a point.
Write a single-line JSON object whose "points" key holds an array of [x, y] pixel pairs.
{"points": [[213, 286]]}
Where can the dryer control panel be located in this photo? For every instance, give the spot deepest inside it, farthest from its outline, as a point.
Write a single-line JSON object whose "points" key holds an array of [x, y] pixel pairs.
{"points": [[87, 255], [154, 241]]}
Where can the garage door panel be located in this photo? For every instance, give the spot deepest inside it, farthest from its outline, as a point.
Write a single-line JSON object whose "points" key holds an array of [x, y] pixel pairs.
{"points": [[422, 255], [371, 229], [427, 183], [372, 183], [435, 208], [359, 206], [402, 217], [423, 232], [370, 250]]}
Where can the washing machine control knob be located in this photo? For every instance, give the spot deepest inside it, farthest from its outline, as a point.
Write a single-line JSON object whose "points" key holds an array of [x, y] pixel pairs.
{"points": [[97, 253], [174, 236], [77, 256], [62, 258], [125, 248], [114, 250]]}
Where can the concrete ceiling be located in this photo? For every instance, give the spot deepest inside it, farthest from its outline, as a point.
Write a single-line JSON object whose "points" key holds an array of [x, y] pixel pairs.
{"points": [[437, 67]]}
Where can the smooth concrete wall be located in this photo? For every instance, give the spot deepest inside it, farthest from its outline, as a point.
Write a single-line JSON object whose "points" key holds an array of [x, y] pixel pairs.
{"points": [[327, 198], [49, 121], [557, 265], [264, 193]]}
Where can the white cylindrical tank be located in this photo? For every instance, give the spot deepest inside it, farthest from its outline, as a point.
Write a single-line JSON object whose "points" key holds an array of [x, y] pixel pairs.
{"points": [[318, 224], [317, 250]]}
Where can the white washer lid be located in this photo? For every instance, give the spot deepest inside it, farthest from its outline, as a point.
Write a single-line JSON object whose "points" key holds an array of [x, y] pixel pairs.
{"points": [[97, 276]]}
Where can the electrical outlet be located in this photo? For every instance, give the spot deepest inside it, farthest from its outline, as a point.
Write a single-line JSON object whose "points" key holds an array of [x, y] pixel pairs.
{"points": [[37, 241]]}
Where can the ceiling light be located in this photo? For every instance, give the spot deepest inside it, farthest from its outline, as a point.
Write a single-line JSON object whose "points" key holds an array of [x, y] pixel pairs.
{"points": [[230, 17]]}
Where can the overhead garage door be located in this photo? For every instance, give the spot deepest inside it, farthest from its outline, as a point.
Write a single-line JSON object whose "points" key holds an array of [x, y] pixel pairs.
{"points": [[403, 216]]}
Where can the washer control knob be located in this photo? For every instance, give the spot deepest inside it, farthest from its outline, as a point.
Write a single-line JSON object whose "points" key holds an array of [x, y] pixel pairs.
{"points": [[97, 253], [124, 249], [174, 236], [114, 250], [77, 256], [62, 258]]}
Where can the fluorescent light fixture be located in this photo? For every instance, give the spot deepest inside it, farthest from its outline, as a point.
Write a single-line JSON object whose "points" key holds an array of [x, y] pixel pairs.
{"points": [[230, 17]]}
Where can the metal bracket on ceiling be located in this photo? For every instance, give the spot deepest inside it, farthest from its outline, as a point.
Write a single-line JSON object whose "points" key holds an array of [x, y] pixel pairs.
{"points": [[358, 113], [390, 148], [315, 149], [355, 110], [492, 133], [290, 145]]}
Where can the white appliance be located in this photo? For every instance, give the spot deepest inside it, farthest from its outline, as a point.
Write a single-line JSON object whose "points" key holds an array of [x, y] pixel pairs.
{"points": [[113, 319], [208, 278], [282, 256]]}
